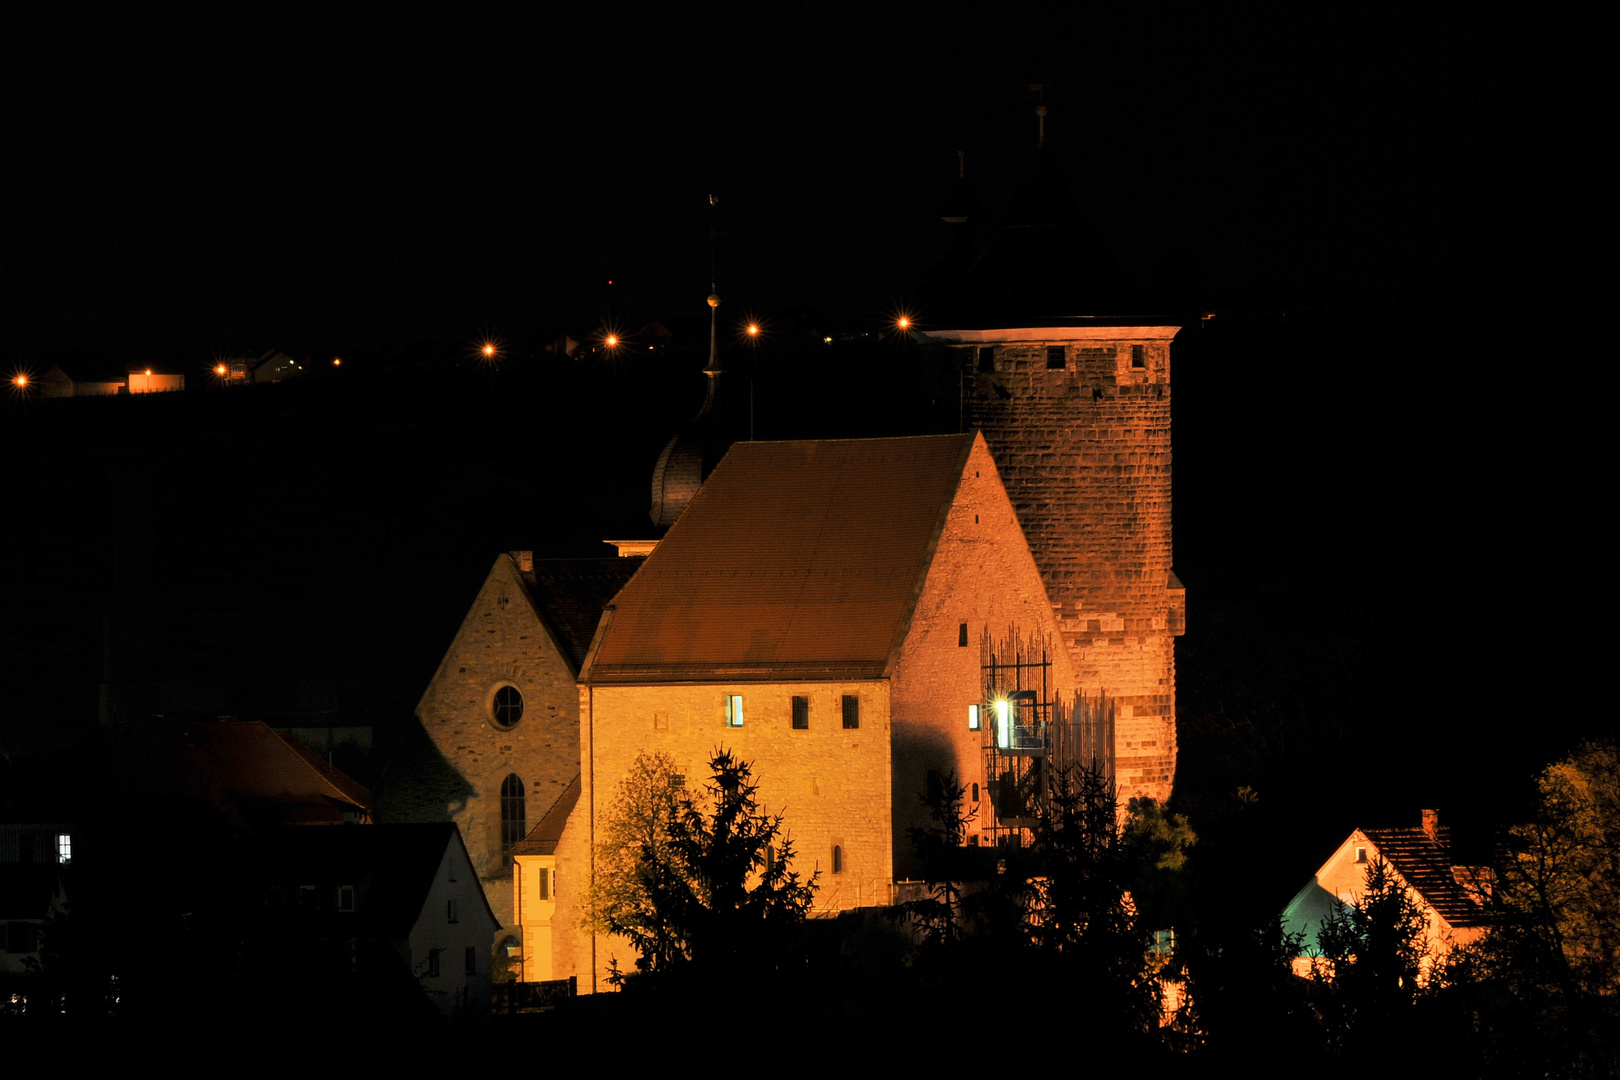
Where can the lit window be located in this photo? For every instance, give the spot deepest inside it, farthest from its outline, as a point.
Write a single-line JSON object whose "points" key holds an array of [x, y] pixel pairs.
{"points": [[506, 708], [1055, 358], [1003, 725], [801, 714], [734, 710], [973, 718], [64, 848], [852, 711], [514, 814]]}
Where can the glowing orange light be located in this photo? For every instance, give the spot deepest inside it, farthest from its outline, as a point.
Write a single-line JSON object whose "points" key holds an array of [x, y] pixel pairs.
{"points": [[904, 323], [149, 371], [337, 361], [219, 369], [21, 380], [753, 329], [488, 349], [613, 341]]}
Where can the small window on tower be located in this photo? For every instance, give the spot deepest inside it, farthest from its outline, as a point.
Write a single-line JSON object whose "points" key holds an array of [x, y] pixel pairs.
{"points": [[987, 358], [801, 714], [1138, 356], [852, 711], [838, 858], [734, 710], [961, 636], [1054, 357]]}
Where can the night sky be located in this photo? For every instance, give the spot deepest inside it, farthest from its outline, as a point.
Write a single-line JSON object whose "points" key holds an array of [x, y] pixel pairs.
{"points": [[1384, 508], [351, 182]]}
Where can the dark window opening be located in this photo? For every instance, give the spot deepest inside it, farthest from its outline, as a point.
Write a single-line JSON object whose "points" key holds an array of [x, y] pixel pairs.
{"points": [[1055, 357], [961, 636], [801, 714], [975, 792], [838, 859], [472, 960], [433, 963], [450, 911], [345, 897], [987, 358], [514, 814], [545, 883], [1138, 356], [935, 786], [507, 706], [852, 711]]}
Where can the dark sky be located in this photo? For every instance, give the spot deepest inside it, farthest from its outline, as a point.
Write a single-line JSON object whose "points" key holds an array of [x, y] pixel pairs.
{"points": [[360, 181]]}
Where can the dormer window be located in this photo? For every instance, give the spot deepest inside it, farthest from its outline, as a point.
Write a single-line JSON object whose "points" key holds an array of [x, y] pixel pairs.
{"points": [[1361, 855]]}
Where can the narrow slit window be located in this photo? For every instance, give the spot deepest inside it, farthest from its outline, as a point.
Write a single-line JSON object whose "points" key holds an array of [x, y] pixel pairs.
{"points": [[852, 711], [801, 713], [514, 815], [961, 634], [974, 722], [734, 710], [838, 858]]}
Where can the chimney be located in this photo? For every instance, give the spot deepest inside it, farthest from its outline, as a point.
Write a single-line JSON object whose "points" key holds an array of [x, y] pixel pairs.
{"points": [[525, 561], [1431, 824]]}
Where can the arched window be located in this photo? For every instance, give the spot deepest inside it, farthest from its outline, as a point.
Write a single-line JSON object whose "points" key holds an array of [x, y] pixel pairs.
{"points": [[838, 859], [513, 815]]}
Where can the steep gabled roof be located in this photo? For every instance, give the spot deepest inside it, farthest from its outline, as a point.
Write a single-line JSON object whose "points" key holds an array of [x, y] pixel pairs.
{"points": [[1426, 865], [569, 594], [798, 560]]}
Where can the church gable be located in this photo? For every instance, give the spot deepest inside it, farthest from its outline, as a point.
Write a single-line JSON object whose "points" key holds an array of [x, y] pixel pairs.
{"points": [[502, 712], [981, 579]]}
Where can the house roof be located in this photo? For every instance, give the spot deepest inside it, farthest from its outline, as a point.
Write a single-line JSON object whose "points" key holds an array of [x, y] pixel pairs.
{"points": [[797, 560], [543, 838], [570, 594], [391, 866], [1426, 864], [241, 768]]}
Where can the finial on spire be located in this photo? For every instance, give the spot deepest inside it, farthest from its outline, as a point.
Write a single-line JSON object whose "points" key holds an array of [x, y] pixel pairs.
{"points": [[961, 164], [1040, 89], [1040, 114]]}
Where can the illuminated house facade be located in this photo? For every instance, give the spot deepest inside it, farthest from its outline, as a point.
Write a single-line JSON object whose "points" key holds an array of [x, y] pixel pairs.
{"points": [[1452, 896], [818, 609]]}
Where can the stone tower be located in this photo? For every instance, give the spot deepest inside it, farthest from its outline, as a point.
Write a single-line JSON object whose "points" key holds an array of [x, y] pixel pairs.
{"points": [[1070, 384]]}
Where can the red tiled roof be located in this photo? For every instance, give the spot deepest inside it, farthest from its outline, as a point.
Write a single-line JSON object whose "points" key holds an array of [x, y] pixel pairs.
{"points": [[795, 560], [1426, 865]]}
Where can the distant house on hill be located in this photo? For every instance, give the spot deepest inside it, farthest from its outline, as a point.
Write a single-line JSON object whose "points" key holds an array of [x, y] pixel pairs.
{"points": [[83, 377], [1452, 896], [363, 917], [155, 378]]}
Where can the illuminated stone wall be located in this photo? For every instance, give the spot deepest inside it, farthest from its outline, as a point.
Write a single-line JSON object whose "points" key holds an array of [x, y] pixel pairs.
{"points": [[830, 784], [983, 576], [501, 642], [1084, 450]]}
